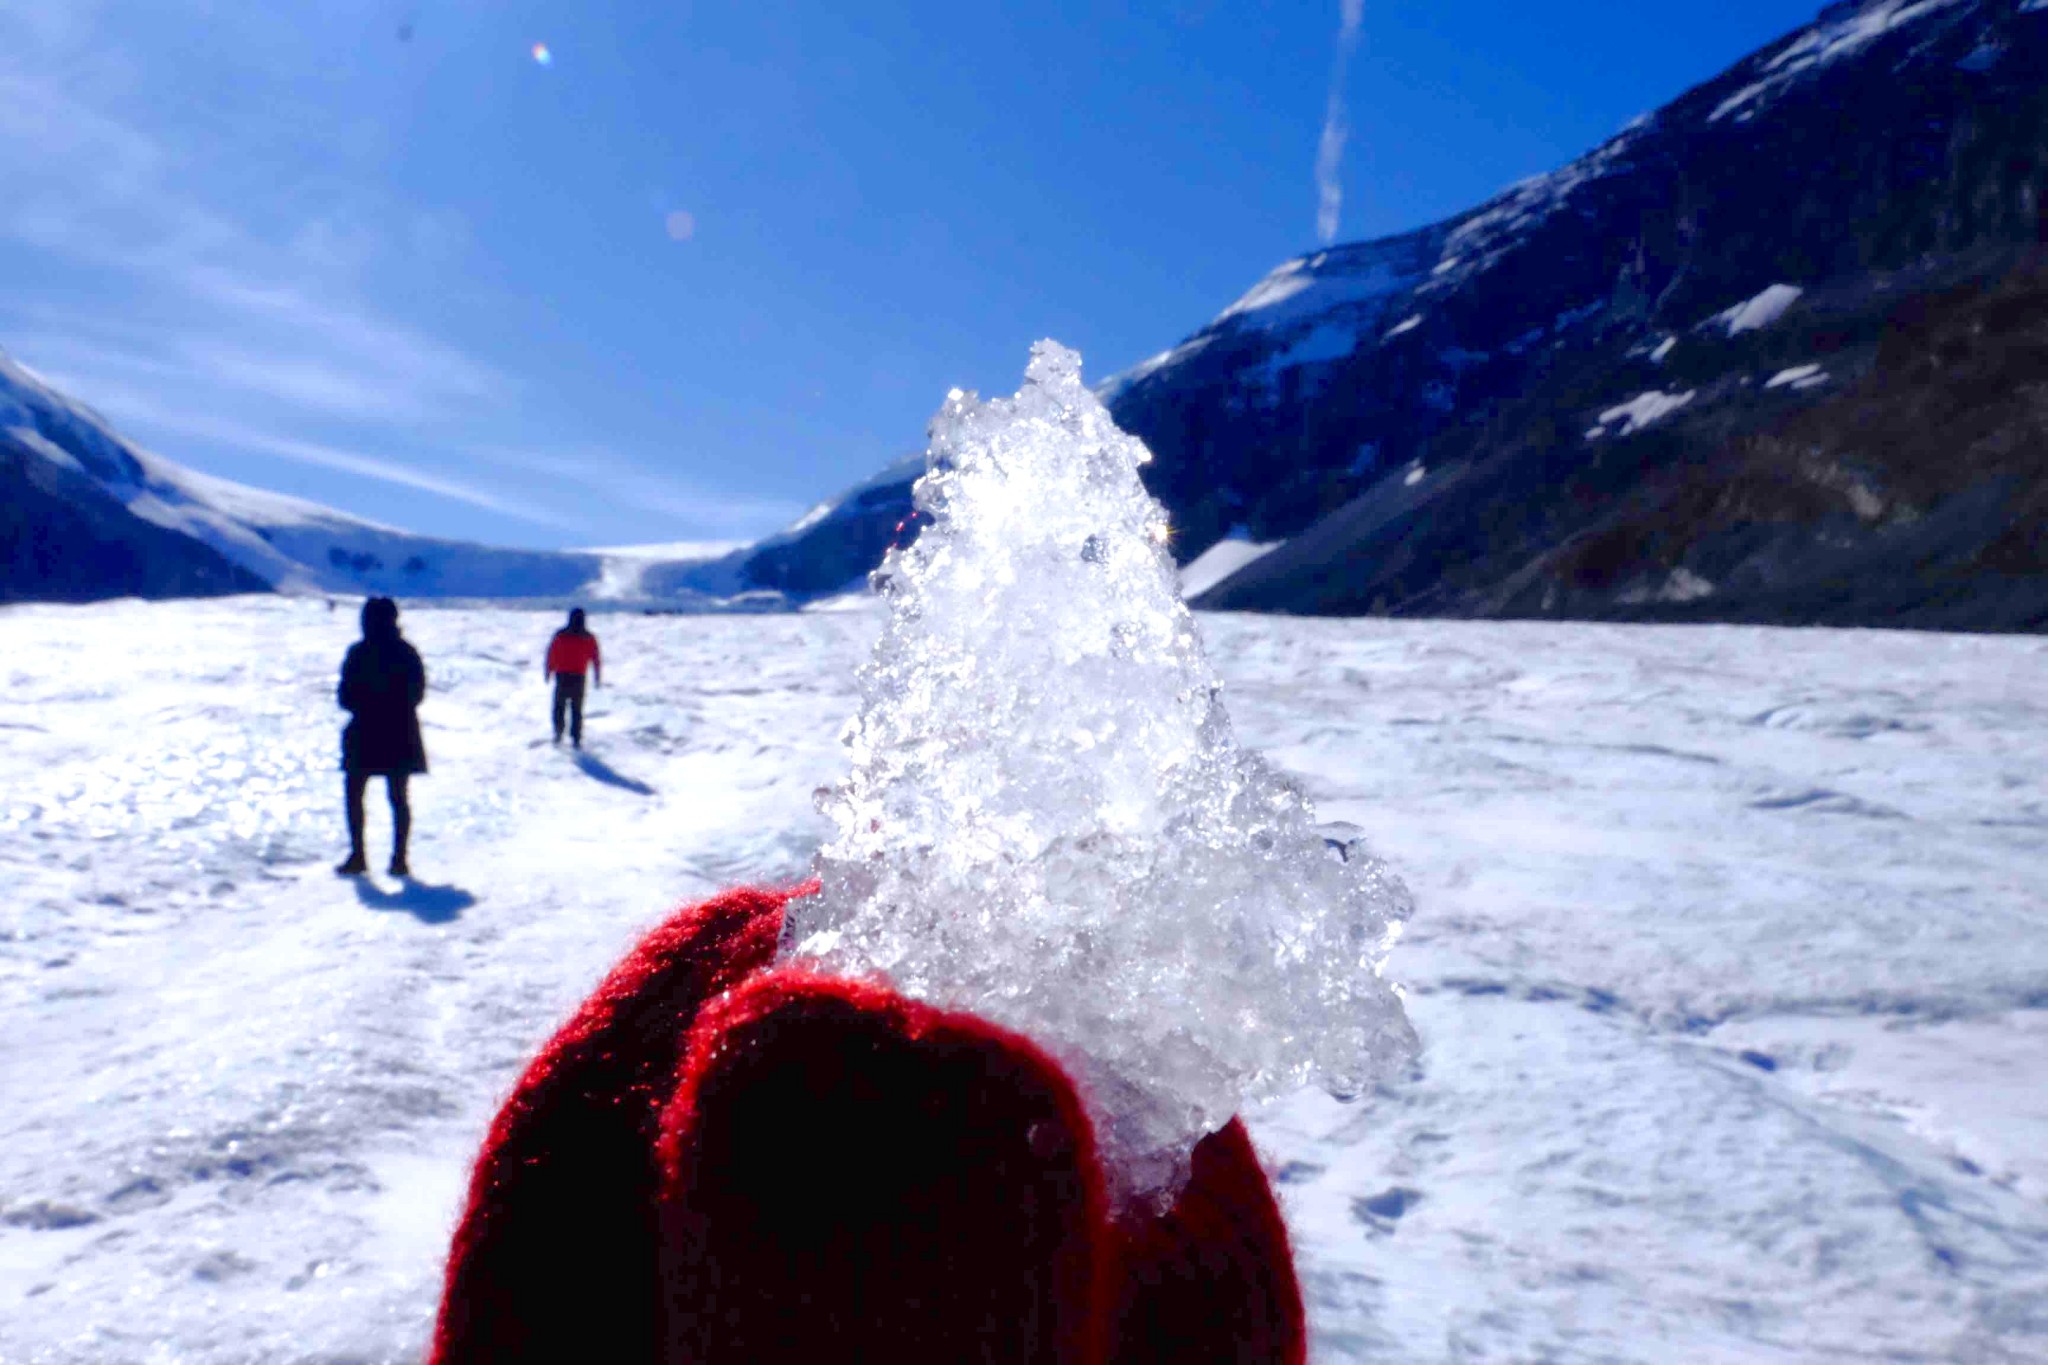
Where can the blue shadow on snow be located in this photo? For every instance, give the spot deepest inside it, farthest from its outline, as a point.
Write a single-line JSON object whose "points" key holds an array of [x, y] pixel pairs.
{"points": [[427, 904], [610, 776]]}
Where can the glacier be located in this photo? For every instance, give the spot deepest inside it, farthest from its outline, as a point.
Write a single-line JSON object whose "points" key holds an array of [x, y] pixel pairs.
{"points": [[1728, 967]]}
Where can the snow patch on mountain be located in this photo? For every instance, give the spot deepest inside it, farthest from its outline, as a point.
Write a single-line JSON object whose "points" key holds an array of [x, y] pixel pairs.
{"points": [[1221, 560], [1755, 314], [1313, 285], [1481, 239], [1110, 388], [1644, 410], [1799, 377], [1841, 32], [1680, 585], [1321, 344]]}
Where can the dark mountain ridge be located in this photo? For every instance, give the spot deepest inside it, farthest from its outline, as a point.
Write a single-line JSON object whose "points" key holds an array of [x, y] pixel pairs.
{"points": [[66, 534], [1469, 419]]}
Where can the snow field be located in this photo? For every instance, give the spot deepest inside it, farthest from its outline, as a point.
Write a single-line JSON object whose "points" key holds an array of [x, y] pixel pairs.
{"points": [[1730, 964], [242, 1092], [1729, 949]]}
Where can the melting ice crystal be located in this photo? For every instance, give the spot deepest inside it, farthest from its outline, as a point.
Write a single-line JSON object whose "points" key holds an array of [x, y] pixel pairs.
{"points": [[1049, 822]]}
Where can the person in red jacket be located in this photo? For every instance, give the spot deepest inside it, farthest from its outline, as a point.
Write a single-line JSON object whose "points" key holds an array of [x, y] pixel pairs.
{"points": [[571, 654], [722, 1161]]}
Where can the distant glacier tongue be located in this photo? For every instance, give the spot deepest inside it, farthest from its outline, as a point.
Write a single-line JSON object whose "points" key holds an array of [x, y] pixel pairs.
{"points": [[1049, 822]]}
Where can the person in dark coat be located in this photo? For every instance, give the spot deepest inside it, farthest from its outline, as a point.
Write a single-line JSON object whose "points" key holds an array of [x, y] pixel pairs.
{"points": [[571, 653], [382, 683]]}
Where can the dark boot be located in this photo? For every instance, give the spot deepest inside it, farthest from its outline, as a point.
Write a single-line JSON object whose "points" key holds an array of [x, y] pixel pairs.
{"points": [[401, 824], [355, 865]]}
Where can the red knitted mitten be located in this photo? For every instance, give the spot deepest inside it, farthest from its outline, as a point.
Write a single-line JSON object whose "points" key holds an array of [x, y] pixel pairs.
{"points": [[811, 1168]]}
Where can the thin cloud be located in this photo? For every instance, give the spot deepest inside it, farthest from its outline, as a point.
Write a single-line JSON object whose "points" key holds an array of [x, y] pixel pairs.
{"points": [[247, 322], [369, 467], [302, 381], [98, 359], [396, 357], [133, 407], [625, 484], [94, 184], [1336, 126]]}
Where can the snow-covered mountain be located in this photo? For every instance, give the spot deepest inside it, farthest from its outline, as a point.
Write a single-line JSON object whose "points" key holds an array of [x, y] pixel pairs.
{"points": [[832, 547], [1488, 416], [827, 552], [70, 529], [1769, 354], [89, 515]]}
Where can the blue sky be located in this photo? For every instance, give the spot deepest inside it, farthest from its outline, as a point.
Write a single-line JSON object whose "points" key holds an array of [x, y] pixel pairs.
{"points": [[714, 261]]}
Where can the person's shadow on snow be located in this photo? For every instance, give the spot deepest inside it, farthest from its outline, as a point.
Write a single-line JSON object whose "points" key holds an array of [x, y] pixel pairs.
{"points": [[427, 904], [610, 776]]}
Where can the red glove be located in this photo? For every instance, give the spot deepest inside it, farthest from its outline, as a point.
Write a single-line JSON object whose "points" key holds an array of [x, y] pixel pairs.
{"points": [[718, 1162]]}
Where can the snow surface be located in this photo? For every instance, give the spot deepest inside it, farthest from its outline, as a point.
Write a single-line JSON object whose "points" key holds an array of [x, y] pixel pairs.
{"points": [[1049, 822], [1729, 965]]}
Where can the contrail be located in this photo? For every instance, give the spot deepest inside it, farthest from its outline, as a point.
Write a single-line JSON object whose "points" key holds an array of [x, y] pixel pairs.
{"points": [[1330, 153]]}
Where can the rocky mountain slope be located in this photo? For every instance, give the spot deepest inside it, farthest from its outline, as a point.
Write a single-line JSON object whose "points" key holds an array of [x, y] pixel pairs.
{"points": [[1566, 401]]}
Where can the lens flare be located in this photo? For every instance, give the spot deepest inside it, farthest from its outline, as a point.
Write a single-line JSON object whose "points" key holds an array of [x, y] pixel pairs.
{"points": [[542, 55]]}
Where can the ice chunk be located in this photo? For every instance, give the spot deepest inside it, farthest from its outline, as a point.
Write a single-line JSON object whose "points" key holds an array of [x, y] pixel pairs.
{"points": [[1050, 823]]}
